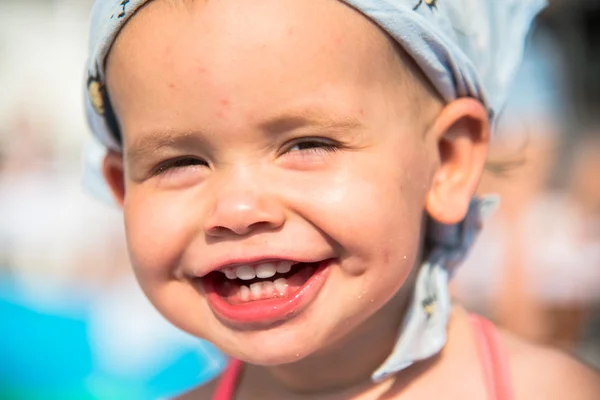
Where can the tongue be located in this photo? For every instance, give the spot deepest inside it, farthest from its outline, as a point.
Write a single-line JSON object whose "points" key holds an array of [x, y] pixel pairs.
{"points": [[238, 292]]}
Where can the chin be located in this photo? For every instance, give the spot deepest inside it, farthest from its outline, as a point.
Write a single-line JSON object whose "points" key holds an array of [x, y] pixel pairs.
{"points": [[284, 344], [272, 350]]}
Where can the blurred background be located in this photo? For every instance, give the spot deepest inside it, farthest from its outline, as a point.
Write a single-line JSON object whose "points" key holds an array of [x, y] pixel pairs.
{"points": [[73, 323]]}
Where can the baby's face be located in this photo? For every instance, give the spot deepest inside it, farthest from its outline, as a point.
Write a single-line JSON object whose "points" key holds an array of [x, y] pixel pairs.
{"points": [[258, 136]]}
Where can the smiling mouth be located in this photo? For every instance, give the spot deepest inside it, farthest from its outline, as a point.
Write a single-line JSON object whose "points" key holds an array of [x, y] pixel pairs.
{"points": [[261, 282], [263, 293]]}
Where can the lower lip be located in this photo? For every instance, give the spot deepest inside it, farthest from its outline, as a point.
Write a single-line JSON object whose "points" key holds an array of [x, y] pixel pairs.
{"points": [[267, 312]]}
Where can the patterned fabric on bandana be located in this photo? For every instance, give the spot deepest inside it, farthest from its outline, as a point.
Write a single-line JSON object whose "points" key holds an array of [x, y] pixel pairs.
{"points": [[467, 48]]}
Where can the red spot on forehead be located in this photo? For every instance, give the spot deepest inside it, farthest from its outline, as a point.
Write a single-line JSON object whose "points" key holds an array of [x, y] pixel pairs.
{"points": [[225, 102]]}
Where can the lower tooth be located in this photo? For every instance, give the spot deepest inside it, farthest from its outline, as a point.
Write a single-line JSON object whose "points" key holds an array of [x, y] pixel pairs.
{"points": [[281, 285], [268, 288], [256, 289], [244, 293]]}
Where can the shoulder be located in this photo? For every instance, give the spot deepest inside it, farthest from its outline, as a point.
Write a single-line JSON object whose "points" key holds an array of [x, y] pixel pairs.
{"points": [[543, 373], [204, 392]]}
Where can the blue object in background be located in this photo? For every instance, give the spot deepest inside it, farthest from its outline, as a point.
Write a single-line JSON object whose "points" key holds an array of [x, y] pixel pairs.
{"points": [[47, 355], [43, 356]]}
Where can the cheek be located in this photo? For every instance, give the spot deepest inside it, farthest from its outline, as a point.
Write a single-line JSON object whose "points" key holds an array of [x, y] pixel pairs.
{"points": [[371, 210], [377, 220], [158, 230], [372, 214]]}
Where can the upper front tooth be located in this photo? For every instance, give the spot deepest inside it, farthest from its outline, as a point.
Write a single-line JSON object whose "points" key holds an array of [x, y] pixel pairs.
{"points": [[230, 274], [245, 272], [265, 270], [284, 267]]}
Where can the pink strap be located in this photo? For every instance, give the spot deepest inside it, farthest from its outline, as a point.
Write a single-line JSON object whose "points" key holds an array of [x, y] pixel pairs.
{"points": [[493, 359], [228, 381]]}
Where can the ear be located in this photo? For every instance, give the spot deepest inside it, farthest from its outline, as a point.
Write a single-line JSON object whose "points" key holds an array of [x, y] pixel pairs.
{"points": [[462, 134], [114, 174]]}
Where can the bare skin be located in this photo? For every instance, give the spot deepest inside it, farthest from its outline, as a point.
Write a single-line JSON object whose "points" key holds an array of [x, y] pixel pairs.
{"points": [[300, 130]]}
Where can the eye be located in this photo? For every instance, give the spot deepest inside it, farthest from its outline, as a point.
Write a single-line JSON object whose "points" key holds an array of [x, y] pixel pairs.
{"points": [[179, 163], [312, 145]]}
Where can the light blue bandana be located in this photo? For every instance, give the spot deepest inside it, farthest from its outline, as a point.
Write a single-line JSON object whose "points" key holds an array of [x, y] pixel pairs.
{"points": [[467, 48], [423, 331]]}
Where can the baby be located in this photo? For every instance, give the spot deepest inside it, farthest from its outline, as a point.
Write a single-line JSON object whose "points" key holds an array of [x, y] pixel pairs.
{"points": [[297, 183]]}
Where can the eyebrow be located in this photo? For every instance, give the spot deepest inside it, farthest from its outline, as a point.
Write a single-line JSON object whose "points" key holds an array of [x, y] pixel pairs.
{"points": [[159, 140], [313, 117]]}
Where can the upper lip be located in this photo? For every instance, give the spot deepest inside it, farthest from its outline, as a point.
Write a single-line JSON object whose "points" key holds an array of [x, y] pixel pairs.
{"points": [[259, 259]]}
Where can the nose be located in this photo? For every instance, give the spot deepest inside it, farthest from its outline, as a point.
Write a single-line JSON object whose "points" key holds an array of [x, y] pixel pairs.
{"points": [[243, 207]]}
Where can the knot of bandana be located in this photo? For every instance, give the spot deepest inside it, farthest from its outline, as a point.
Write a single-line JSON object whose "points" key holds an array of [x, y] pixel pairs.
{"points": [[423, 330], [454, 241]]}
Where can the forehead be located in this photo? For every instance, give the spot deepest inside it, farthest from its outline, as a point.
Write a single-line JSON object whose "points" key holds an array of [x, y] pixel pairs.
{"points": [[234, 50], [264, 22]]}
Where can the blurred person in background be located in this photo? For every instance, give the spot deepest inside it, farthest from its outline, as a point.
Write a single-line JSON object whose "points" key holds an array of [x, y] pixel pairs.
{"points": [[541, 254], [577, 26]]}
